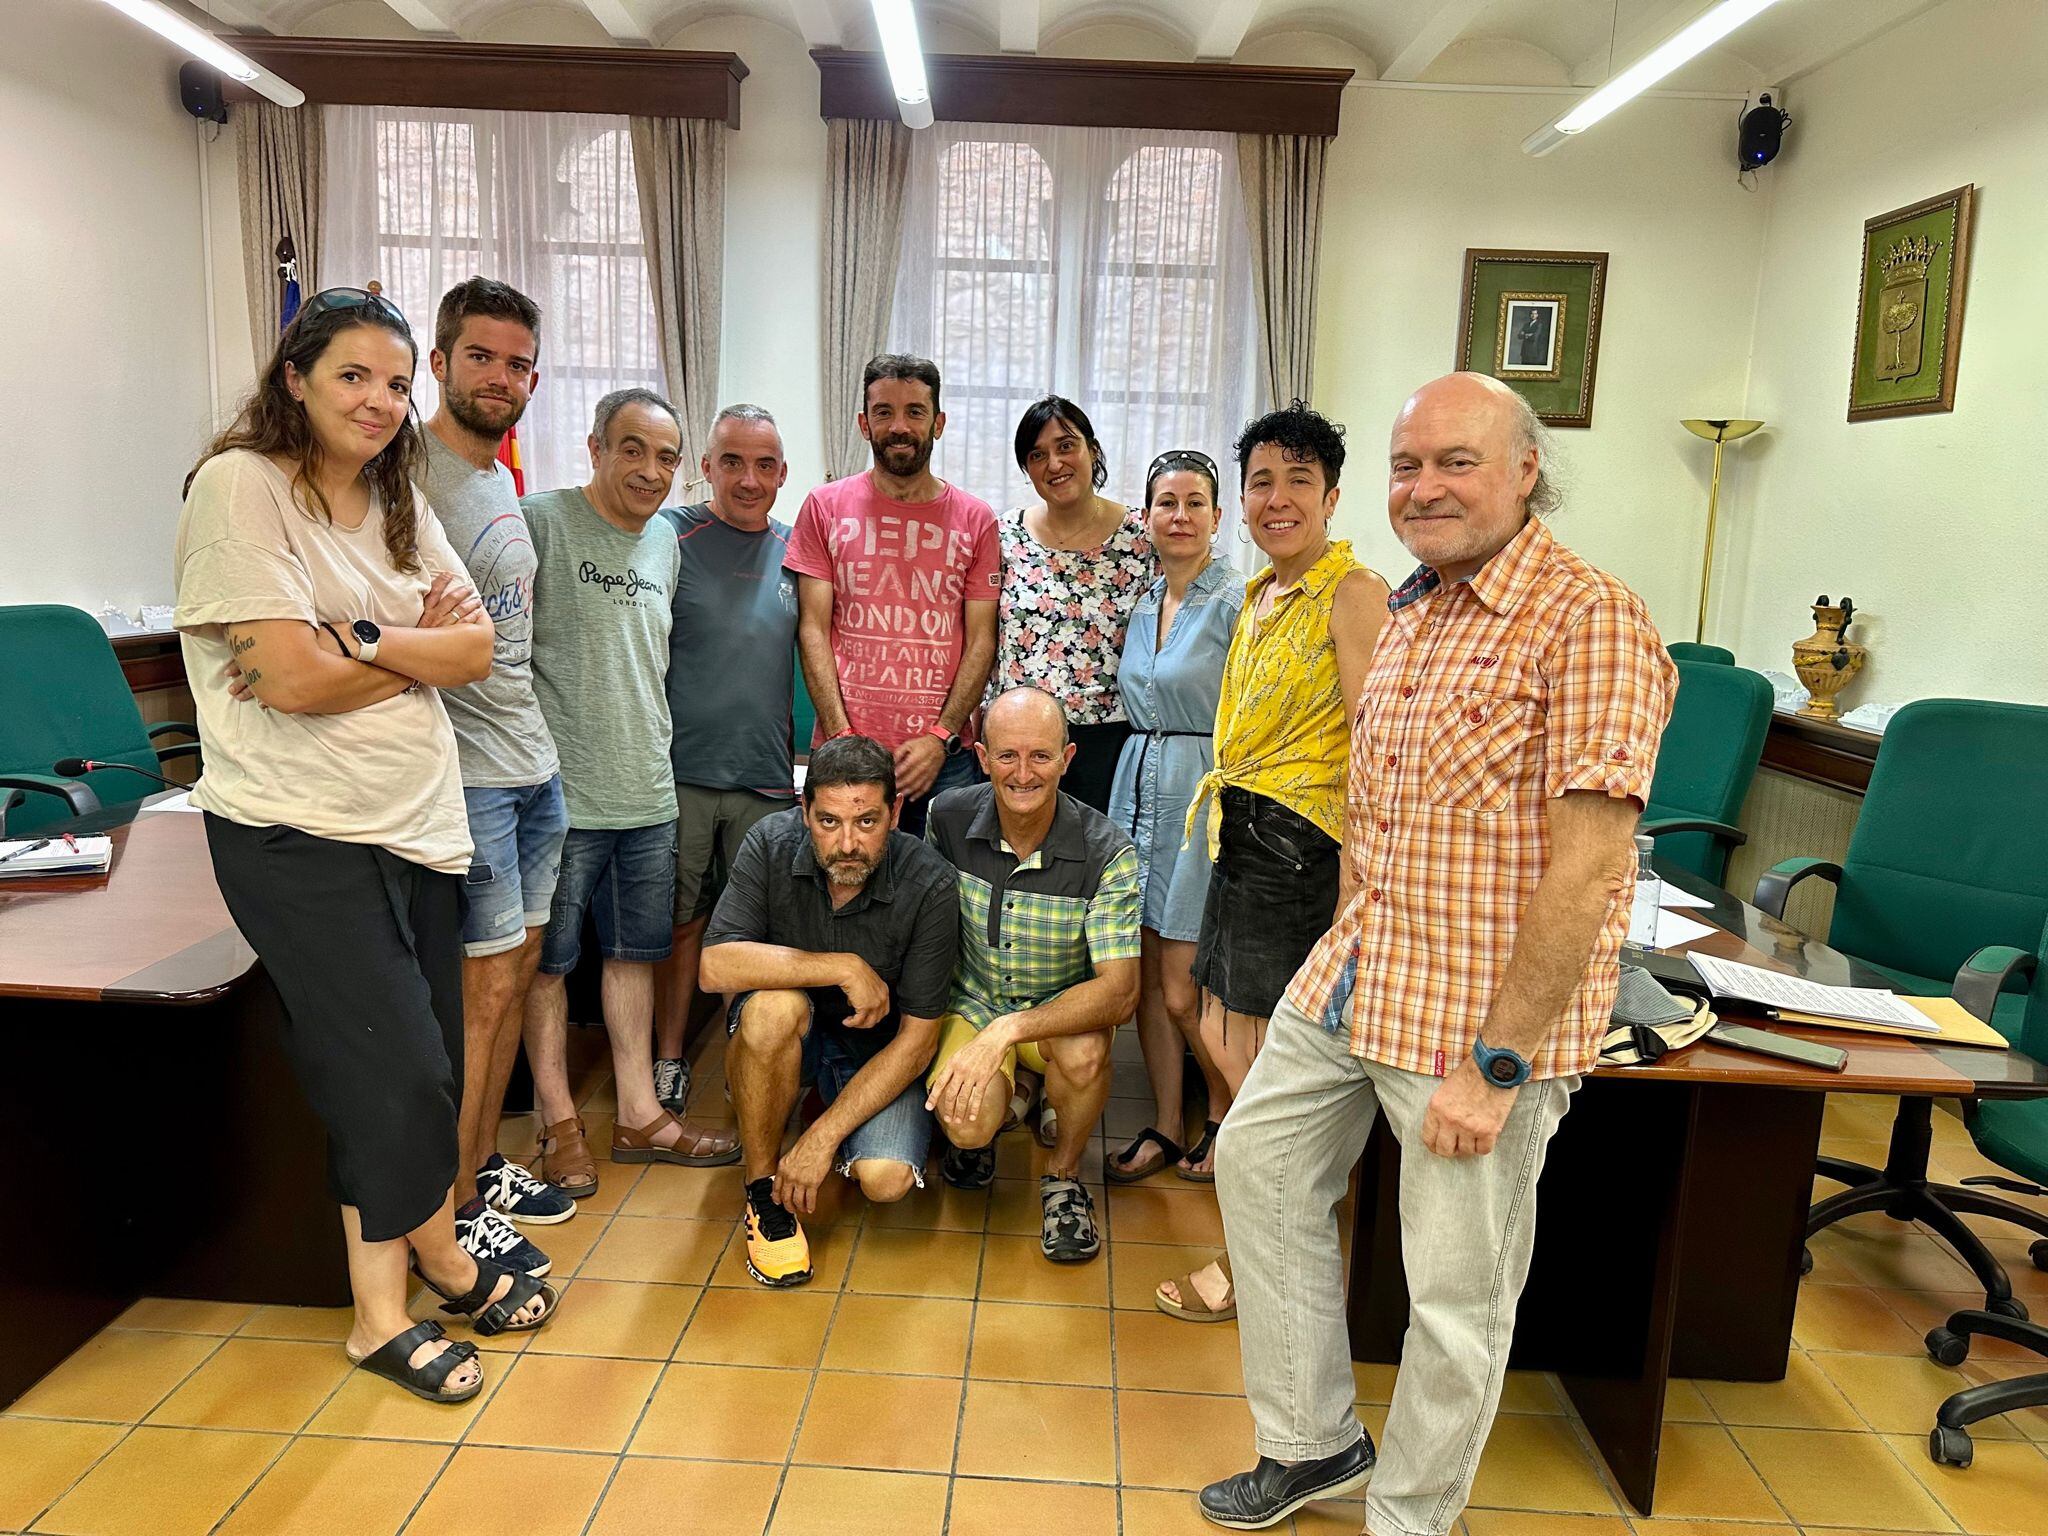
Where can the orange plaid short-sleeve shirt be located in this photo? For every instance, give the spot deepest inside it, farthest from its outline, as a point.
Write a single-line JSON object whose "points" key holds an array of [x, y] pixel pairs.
{"points": [[1485, 700]]}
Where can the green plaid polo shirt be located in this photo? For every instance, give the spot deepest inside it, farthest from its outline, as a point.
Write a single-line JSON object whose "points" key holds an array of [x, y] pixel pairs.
{"points": [[1030, 929]]}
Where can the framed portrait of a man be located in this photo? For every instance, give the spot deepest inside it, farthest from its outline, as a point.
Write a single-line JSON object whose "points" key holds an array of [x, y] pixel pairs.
{"points": [[1532, 320], [1531, 328]]}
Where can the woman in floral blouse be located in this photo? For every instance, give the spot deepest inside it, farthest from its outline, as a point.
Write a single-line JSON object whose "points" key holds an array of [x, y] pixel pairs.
{"points": [[1074, 565]]}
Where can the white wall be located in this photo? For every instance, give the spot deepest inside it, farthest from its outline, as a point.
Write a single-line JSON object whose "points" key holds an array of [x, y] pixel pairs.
{"points": [[1721, 301], [1418, 176], [105, 370], [1932, 523]]}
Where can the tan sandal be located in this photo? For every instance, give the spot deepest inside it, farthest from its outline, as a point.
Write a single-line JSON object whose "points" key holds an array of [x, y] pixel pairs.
{"points": [[565, 1160], [697, 1146], [1191, 1308]]}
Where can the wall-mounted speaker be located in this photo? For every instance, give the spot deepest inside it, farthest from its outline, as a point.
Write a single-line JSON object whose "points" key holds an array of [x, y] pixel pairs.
{"points": [[199, 90], [1762, 134]]}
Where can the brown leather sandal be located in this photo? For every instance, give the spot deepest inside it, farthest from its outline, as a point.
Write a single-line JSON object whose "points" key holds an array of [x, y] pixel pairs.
{"points": [[565, 1159], [698, 1146], [1191, 1308]]}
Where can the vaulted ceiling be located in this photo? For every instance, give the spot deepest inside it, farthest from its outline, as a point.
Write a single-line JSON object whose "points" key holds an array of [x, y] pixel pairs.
{"points": [[1505, 42]]}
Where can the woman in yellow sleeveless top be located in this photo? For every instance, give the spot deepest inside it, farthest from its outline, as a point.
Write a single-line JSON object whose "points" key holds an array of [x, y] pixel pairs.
{"points": [[1273, 807]]}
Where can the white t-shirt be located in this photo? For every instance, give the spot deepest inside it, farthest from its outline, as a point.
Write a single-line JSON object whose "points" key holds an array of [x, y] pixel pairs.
{"points": [[385, 774]]}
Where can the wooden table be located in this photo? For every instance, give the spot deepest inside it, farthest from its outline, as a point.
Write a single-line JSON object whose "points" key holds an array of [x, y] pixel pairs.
{"points": [[1672, 1207], [160, 1146]]}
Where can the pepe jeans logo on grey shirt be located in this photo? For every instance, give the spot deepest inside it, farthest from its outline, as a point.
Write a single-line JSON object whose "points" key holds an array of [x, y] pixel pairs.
{"points": [[630, 585]]}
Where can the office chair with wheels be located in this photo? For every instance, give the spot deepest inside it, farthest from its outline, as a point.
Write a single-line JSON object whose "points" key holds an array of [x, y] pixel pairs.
{"points": [[1708, 757], [1693, 650], [2014, 1135], [62, 694], [1950, 854]]}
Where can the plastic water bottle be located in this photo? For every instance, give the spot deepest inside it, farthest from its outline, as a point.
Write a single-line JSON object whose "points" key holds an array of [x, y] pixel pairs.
{"points": [[1642, 915]]}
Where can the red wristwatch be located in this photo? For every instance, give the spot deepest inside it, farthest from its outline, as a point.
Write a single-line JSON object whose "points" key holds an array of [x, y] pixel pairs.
{"points": [[952, 740]]}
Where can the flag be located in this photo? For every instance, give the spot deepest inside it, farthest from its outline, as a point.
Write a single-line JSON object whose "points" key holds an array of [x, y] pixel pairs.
{"points": [[508, 455], [288, 274]]}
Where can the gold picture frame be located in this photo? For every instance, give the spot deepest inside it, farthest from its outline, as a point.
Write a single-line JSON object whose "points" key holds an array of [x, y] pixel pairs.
{"points": [[1506, 286], [1530, 343], [1909, 308]]}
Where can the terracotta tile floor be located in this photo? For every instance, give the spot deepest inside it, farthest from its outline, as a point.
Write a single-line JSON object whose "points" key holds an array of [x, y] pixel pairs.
{"points": [[939, 1376]]}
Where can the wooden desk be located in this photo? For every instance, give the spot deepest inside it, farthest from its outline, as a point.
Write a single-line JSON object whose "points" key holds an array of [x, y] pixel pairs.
{"points": [[1673, 1205], [173, 1154]]}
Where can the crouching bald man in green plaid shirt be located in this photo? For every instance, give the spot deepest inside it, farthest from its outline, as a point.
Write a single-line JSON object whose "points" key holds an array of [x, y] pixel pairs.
{"points": [[1048, 967]]}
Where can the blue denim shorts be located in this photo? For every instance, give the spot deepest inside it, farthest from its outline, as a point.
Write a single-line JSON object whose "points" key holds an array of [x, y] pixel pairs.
{"points": [[899, 1132], [625, 878], [511, 886]]}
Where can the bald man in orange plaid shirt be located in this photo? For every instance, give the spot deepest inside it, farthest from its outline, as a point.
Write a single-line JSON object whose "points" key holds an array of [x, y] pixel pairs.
{"points": [[1503, 748]]}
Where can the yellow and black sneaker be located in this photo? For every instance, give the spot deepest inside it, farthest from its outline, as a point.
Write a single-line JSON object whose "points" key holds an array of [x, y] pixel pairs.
{"points": [[778, 1254]]}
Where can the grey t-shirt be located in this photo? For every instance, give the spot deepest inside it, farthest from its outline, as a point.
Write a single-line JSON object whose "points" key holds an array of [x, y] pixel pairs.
{"points": [[732, 655], [500, 737], [600, 658]]}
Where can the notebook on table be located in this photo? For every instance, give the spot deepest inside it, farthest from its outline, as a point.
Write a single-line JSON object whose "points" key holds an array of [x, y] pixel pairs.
{"points": [[24, 858]]}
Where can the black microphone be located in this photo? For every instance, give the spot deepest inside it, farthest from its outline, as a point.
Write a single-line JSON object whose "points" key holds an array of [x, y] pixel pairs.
{"points": [[79, 767]]}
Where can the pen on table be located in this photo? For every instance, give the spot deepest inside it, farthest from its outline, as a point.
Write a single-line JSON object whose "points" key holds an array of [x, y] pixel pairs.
{"points": [[1772, 1015], [43, 842], [69, 841]]}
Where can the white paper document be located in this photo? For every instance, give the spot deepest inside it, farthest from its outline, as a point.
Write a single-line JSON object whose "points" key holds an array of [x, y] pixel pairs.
{"points": [[1672, 899], [1774, 989], [25, 858], [1674, 929], [181, 802]]}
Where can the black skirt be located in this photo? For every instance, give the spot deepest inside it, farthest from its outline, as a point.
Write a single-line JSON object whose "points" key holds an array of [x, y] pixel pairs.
{"points": [[1092, 773], [1272, 895], [365, 950]]}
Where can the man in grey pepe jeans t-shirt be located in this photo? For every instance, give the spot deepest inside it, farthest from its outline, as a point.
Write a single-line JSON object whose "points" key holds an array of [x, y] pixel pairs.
{"points": [[607, 573], [486, 345]]}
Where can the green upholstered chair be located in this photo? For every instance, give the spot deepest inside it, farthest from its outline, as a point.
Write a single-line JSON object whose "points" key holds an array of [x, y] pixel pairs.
{"points": [[1949, 857], [1705, 765], [62, 694], [2013, 1134], [1692, 650]]}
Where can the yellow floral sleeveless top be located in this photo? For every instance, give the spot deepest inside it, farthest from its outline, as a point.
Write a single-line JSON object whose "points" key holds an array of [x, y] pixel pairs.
{"points": [[1280, 726]]}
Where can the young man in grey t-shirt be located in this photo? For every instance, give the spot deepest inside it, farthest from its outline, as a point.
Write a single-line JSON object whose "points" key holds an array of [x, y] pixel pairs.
{"points": [[607, 566], [486, 346]]}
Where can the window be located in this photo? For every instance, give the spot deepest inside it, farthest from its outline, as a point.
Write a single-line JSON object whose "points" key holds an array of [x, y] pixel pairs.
{"points": [[421, 198], [1107, 265]]}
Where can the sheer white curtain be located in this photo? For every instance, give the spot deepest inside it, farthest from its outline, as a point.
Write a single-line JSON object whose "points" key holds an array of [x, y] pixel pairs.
{"points": [[1109, 265], [421, 198]]}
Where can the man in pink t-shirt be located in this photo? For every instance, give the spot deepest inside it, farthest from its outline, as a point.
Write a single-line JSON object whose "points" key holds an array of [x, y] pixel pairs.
{"points": [[897, 576]]}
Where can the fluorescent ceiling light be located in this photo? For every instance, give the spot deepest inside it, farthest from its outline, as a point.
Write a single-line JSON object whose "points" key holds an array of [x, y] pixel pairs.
{"points": [[896, 23], [1691, 40], [207, 48]]}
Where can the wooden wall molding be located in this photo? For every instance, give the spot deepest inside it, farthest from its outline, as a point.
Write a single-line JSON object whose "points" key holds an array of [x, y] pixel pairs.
{"points": [[1834, 755], [1092, 93], [640, 82]]}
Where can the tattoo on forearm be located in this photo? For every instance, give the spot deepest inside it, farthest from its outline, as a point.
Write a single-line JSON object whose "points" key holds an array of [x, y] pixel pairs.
{"points": [[251, 676], [242, 643]]}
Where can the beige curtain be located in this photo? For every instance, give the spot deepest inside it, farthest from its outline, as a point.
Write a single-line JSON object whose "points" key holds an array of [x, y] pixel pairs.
{"points": [[679, 163], [1283, 203], [867, 168], [280, 153]]}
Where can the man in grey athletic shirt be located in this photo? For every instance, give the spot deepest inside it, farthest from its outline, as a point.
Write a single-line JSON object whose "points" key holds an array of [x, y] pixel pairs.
{"points": [[486, 346]]}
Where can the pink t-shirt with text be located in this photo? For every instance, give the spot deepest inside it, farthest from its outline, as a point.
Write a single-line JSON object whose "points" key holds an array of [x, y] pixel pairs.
{"points": [[902, 574]]}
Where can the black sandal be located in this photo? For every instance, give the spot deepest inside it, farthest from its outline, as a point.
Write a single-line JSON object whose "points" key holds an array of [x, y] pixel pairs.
{"points": [[1165, 1143], [1199, 1151], [394, 1363], [488, 1317]]}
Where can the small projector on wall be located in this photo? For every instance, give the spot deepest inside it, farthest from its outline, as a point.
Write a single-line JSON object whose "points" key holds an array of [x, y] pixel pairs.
{"points": [[1761, 135]]}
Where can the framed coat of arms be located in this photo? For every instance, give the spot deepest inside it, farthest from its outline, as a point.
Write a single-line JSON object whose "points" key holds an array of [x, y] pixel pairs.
{"points": [[1909, 308]]}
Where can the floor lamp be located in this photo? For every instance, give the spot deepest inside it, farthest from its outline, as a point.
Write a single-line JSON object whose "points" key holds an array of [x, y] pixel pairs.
{"points": [[1717, 433]]}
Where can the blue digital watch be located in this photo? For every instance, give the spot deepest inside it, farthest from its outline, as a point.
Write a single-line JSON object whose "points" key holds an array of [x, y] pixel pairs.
{"points": [[1503, 1069]]}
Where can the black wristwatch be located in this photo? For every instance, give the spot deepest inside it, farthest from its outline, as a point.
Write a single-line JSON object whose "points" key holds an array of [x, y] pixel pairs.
{"points": [[368, 636], [953, 744]]}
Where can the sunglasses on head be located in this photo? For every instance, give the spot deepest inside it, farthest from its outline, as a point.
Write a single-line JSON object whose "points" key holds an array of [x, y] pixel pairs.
{"points": [[329, 299], [1182, 458]]}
